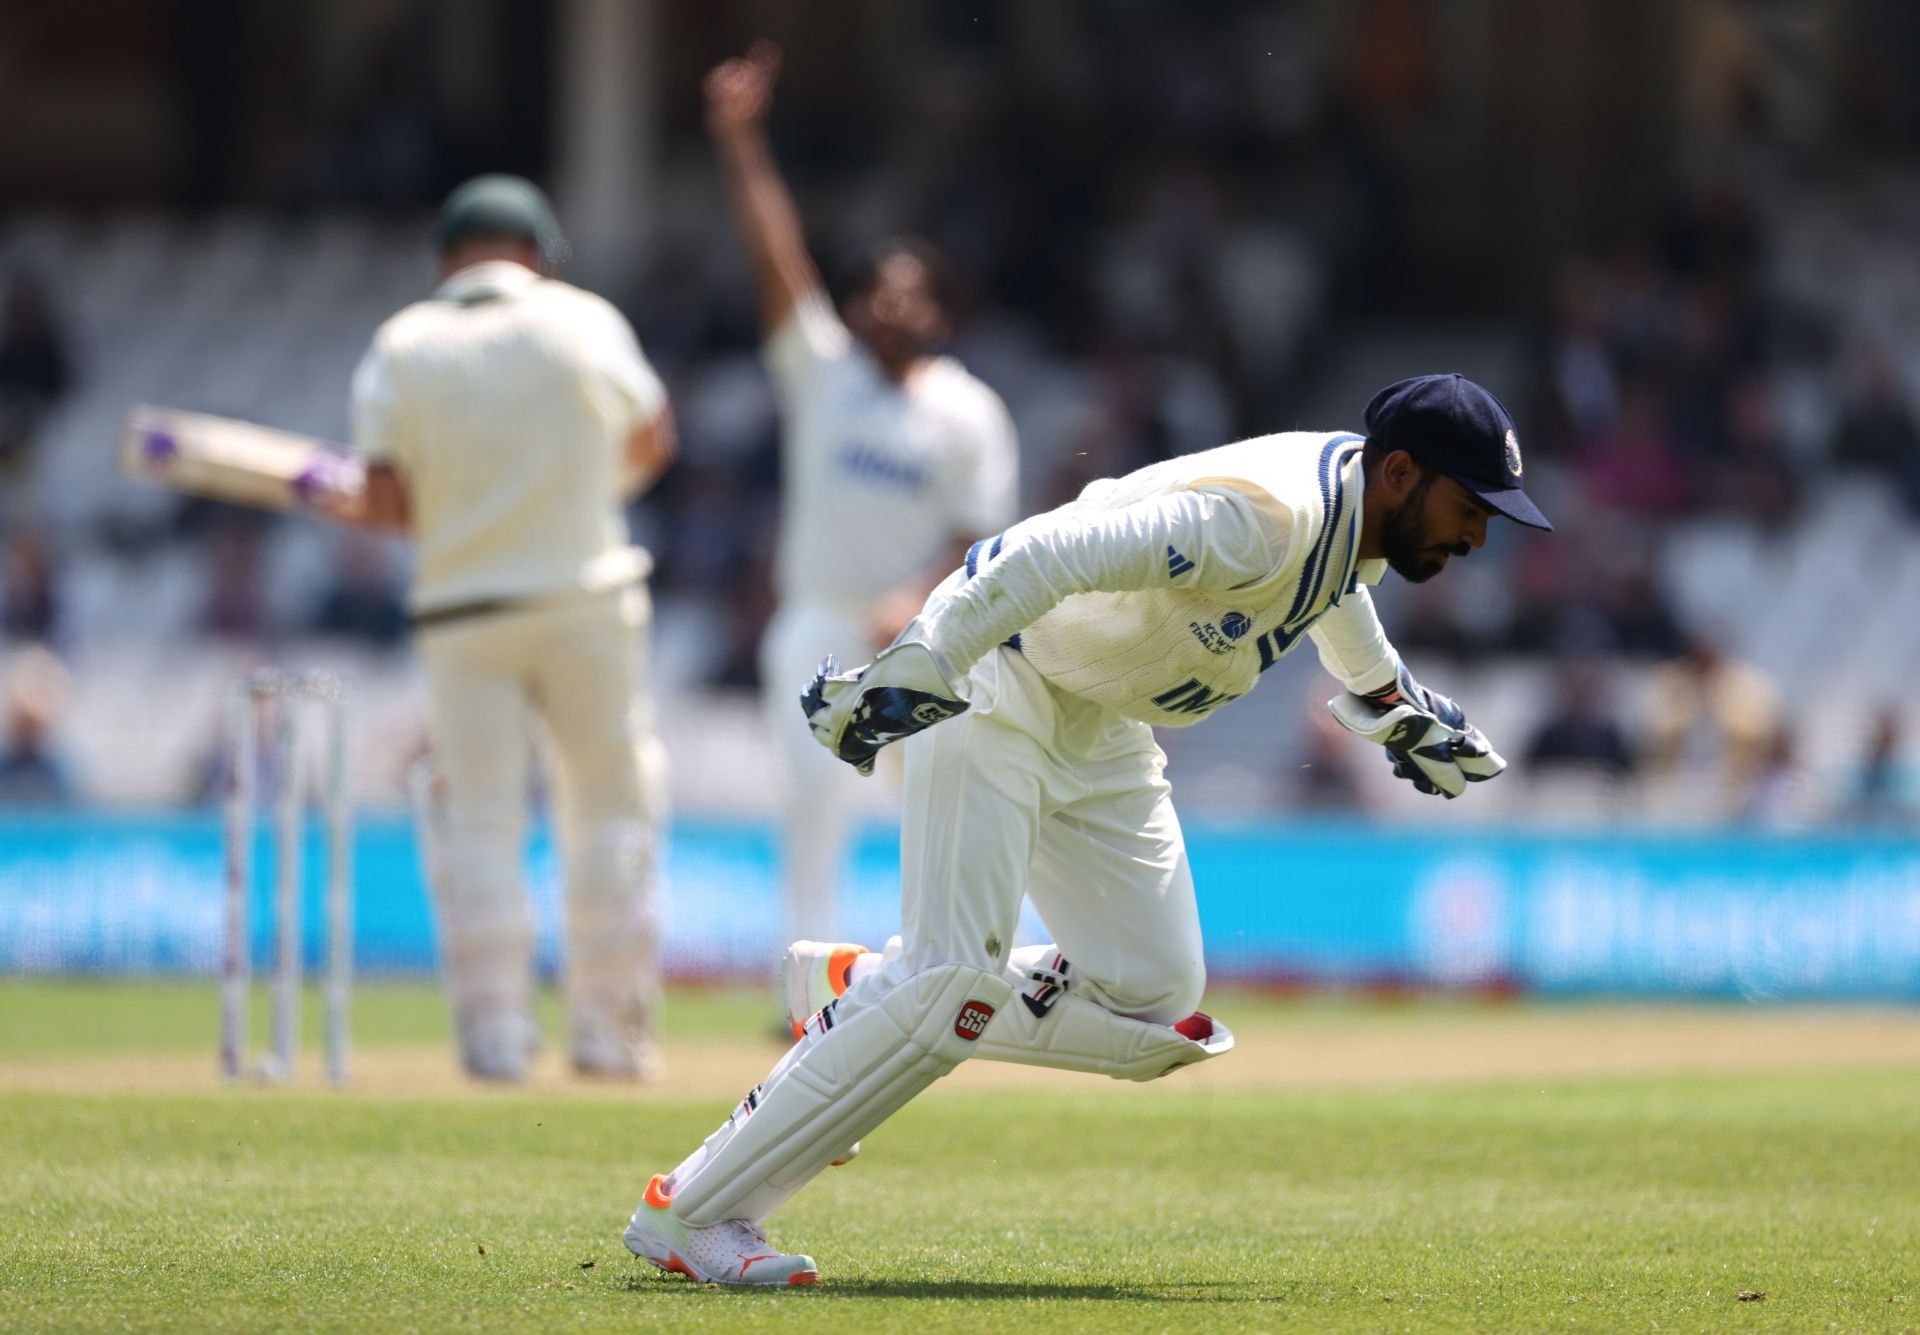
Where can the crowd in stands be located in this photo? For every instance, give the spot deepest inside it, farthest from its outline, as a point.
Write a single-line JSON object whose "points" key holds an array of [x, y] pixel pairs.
{"points": [[1159, 274]]}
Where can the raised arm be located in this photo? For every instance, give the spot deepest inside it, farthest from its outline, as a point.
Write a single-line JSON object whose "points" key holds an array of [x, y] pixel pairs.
{"points": [[738, 94]]}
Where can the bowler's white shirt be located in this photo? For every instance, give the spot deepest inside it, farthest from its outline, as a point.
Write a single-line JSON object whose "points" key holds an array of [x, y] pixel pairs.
{"points": [[879, 477], [506, 401]]}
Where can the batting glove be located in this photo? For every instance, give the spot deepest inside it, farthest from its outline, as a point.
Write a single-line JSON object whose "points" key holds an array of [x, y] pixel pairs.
{"points": [[1429, 740], [901, 692]]}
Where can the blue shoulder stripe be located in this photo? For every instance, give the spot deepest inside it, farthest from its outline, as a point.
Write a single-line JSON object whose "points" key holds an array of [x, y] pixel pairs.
{"points": [[974, 553], [1335, 518], [973, 558], [973, 568], [1348, 579], [1307, 571], [1332, 499]]}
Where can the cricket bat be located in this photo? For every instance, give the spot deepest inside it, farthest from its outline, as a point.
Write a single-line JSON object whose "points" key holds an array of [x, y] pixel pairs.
{"points": [[225, 460]]}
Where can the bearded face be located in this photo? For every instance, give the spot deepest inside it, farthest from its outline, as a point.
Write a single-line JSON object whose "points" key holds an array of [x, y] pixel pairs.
{"points": [[1403, 538], [1417, 541]]}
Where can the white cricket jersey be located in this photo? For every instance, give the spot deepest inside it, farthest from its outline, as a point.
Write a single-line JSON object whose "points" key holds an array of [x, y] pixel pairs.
{"points": [[1165, 594], [506, 401], [879, 477]]}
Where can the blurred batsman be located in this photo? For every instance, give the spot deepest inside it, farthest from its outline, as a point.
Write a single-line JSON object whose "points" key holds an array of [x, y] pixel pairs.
{"points": [[1028, 687], [506, 419], [893, 459]]}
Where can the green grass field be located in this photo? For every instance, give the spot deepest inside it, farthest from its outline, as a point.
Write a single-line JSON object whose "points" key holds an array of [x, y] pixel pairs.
{"points": [[135, 1198]]}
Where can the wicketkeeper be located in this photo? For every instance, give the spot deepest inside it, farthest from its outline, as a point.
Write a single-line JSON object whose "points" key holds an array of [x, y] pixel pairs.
{"points": [[1154, 598]]}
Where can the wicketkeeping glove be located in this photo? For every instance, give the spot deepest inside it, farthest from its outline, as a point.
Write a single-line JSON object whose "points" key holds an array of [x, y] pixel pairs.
{"points": [[1429, 740], [901, 692]]}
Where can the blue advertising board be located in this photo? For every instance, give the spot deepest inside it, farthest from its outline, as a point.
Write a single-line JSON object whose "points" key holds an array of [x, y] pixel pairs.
{"points": [[1722, 914]]}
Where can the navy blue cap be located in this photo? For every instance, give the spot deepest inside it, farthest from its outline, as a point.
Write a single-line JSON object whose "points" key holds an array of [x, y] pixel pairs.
{"points": [[502, 206], [1453, 426]]}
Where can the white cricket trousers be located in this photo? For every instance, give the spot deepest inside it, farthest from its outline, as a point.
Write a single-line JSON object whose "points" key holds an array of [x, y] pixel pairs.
{"points": [[818, 793], [1034, 792], [579, 667], [1038, 792]]}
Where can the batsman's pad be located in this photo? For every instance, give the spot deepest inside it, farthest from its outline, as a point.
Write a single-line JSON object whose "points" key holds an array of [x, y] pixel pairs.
{"points": [[488, 966], [1075, 1034], [903, 691], [836, 1086], [1425, 735], [613, 968], [484, 923]]}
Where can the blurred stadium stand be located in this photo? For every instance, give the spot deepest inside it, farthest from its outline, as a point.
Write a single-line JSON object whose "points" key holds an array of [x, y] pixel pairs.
{"points": [[1696, 286]]}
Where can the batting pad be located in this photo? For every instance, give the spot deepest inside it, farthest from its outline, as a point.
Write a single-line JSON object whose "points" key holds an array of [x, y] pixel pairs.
{"points": [[837, 1085], [1075, 1034], [485, 924], [612, 966]]}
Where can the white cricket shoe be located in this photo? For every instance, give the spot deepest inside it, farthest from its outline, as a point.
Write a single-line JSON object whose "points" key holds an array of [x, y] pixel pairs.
{"points": [[496, 1047], [610, 1056], [815, 975], [730, 1252]]}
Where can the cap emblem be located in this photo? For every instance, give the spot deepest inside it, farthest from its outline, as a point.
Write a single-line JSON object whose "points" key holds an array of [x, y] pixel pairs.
{"points": [[1513, 453]]}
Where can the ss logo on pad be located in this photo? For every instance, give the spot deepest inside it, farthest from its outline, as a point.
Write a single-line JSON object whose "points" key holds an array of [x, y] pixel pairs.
{"points": [[972, 1020]]}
